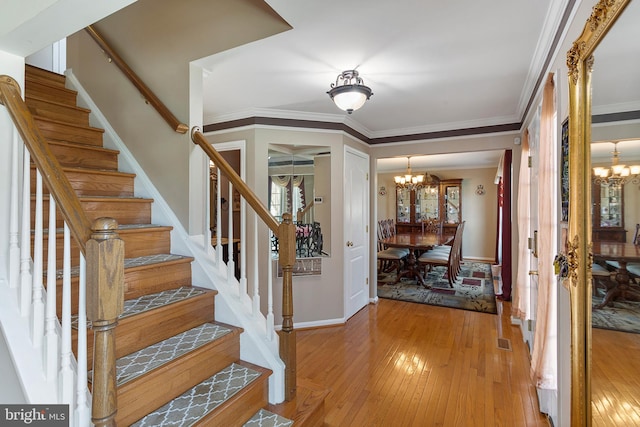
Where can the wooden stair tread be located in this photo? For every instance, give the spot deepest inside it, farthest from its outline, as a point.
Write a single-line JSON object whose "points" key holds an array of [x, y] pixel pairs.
{"points": [[37, 72], [307, 408], [94, 171], [145, 360], [94, 148], [264, 418], [204, 398], [141, 262], [56, 103], [67, 124]]}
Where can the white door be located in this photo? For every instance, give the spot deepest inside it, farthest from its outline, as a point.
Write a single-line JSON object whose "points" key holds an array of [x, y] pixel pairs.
{"points": [[533, 231], [356, 220]]}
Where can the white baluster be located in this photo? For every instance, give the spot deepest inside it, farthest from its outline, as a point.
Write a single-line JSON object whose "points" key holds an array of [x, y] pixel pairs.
{"points": [[66, 377], [270, 318], [51, 337], [14, 248], [81, 388], [219, 223], [230, 262], [37, 309], [255, 294], [243, 250], [25, 234]]}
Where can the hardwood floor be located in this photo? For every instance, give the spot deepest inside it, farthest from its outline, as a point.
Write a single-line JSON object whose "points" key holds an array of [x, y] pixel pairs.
{"points": [[406, 364], [615, 383]]}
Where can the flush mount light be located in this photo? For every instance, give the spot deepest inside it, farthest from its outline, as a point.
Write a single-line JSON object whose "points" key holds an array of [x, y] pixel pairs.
{"points": [[349, 92]]}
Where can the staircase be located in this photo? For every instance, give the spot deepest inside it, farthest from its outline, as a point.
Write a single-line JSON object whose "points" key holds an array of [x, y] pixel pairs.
{"points": [[176, 365]]}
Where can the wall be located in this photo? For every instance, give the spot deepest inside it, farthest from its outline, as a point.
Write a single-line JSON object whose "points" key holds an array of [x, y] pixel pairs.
{"points": [[160, 40]]}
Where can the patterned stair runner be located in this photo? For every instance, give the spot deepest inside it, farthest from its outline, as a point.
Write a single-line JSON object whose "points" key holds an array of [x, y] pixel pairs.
{"points": [[136, 364], [264, 418], [194, 404]]}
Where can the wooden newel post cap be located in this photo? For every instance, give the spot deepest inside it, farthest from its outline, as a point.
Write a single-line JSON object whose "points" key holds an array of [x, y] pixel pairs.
{"points": [[105, 272], [287, 238]]}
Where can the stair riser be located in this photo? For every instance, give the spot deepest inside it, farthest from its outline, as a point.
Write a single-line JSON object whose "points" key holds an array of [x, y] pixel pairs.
{"points": [[137, 282], [59, 112], [35, 74], [94, 184], [241, 407], [151, 242], [136, 332], [62, 132], [139, 397], [84, 156], [125, 211], [36, 89]]}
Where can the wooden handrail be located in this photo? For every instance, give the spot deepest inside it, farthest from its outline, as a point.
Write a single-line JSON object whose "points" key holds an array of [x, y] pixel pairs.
{"points": [[98, 241], [148, 94], [198, 138], [302, 212], [286, 233], [52, 174]]}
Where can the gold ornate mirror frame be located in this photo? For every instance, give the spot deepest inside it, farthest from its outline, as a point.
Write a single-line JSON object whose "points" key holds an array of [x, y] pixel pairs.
{"points": [[579, 254]]}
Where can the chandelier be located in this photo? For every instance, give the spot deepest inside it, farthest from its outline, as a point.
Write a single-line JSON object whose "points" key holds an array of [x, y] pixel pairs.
{"points": [[349, 92], [409, 181], [618, 174]]}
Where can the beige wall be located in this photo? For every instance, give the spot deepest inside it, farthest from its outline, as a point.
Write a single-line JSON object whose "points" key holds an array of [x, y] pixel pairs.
{"points": [[158, 39]]}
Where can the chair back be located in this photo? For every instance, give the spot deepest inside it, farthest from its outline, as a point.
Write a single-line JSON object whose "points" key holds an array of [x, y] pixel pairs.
{"points": [[432, 226], [636, 236]]}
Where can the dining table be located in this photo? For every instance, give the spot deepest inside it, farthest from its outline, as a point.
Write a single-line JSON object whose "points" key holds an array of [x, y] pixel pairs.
{"points": [[623, 253], [415, 242]]}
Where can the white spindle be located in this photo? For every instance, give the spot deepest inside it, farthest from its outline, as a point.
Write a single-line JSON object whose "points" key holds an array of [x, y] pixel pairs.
{"points": [[255, 294], [243, 250], [37, 309], [230, 261], [219, 222], [25, 234], [81, 388], [51, 337], [14, 212], [66, 377], [270, 317]]}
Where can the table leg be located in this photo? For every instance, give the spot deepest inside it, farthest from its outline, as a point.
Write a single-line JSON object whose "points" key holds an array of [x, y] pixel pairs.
{"points": [[413, 270], [622, 290]]}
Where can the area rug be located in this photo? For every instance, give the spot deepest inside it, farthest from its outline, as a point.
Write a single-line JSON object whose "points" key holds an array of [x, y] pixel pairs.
{"points": [[473, 289], [618, 316]]}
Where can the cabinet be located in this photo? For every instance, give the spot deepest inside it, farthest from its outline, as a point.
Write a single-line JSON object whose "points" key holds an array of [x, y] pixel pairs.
{"points": [[608, 213], [440, 200]]}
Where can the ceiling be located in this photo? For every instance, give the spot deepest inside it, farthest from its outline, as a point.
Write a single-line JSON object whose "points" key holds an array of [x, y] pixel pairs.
{"points": [[432, 66]]}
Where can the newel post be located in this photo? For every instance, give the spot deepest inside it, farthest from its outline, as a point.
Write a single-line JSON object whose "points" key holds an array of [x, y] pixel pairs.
{"points": [[105, 302], [287, 257]]}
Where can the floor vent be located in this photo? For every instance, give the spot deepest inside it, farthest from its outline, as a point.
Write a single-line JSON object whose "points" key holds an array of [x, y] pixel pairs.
{"points": [[504, 344]]}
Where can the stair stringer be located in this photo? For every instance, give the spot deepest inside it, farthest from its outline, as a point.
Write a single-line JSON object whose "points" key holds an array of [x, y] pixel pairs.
{"points": [[255, 345]]}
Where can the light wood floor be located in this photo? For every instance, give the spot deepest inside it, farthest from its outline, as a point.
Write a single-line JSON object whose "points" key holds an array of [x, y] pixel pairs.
{"points": [[615, 379], [404, 364]]}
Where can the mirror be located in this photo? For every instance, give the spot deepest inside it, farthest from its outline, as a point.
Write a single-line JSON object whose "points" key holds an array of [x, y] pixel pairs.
{"points": [[580, 62], [300, 183]]}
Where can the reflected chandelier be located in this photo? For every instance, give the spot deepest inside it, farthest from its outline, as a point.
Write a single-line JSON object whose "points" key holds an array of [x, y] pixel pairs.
{"points": [[409, 181], [349, 92], [620, 174]]}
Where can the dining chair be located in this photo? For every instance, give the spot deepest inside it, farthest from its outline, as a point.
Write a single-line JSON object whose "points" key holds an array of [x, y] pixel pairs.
{"points": [[389, 257], [449, 258], [432, 226]]}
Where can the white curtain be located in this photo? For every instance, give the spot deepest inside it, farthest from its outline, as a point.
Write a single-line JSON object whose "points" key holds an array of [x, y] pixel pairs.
{"points": [[521, 306], [544, 356]]}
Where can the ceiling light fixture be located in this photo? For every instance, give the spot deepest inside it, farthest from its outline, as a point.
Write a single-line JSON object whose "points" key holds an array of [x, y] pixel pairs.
{"points": [[620, 174], [349, 92], [409, 181]]}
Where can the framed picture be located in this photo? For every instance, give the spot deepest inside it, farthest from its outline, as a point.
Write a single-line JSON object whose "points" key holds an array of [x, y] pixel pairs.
{"points": [[564, 171]]}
